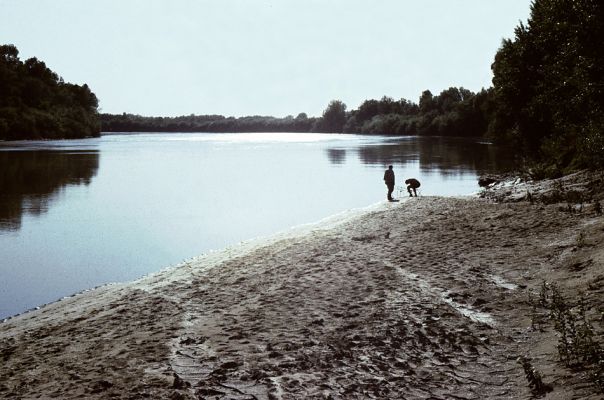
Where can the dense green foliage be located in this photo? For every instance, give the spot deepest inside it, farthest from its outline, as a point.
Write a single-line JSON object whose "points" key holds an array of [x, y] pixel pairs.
{"points": [[454, 112], [549, 84], [35, 103]]}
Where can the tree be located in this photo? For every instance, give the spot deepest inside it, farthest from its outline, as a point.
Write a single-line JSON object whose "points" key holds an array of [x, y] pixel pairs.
{"points": [[549, 83], [9, 54], [367, 110], [426, 102], [334, 118], [35, 103], [448, 99]]}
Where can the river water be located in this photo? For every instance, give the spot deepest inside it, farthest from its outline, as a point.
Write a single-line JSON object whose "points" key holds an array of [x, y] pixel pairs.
{"points": [[78, 214]]}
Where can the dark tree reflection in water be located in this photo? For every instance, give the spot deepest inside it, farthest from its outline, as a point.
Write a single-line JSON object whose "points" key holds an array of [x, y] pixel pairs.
{"points": [[439, 154], [31, 180], [336, 156]]}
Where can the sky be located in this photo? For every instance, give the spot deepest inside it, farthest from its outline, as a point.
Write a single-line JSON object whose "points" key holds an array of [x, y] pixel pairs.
{"points": [[259, 57]]}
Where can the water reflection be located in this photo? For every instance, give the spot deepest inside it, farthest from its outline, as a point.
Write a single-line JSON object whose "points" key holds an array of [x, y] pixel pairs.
{"points": [[448, 156], [336, 156], [31, 180]]}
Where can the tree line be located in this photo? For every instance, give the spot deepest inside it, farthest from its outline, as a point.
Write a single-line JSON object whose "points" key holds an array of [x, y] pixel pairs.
{"points": [[36, 103], [205, 123], [454, 112]]}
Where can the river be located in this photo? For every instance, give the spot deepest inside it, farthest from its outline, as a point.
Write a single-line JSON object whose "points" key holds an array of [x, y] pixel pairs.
{"points": [[82, 213]]}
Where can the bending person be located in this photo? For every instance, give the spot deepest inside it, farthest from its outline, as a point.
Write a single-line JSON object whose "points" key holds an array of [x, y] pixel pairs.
{"points": [[412, 184]]}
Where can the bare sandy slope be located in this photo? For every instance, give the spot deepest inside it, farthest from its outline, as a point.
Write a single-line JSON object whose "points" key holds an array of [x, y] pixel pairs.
{"points": [[424, 299]]}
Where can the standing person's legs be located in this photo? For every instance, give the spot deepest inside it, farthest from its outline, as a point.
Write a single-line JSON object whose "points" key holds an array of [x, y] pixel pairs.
{"points": [[390, 190]]}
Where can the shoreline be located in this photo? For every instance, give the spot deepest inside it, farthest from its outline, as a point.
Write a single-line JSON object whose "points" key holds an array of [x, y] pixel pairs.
{"points": [[215, 256], [417, 299]]}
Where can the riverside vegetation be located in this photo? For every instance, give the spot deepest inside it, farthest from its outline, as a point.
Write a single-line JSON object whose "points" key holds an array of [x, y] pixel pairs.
{"points": [[578, 346], [36, 103]]}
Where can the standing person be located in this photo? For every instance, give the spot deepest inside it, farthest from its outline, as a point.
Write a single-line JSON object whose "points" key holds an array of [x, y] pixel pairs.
{"points": [[389, 180], [412, 184]]}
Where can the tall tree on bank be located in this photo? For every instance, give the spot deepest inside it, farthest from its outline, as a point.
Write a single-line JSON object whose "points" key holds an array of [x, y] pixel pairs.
{"points": [[548, 84], [334, 118], [36, 103]]}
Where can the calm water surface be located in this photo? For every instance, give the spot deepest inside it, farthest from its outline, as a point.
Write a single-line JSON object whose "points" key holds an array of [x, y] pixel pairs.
{"points": [[78, 214]]}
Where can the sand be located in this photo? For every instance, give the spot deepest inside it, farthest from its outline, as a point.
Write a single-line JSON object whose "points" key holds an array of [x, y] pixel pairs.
{"points": [[422, 299]]}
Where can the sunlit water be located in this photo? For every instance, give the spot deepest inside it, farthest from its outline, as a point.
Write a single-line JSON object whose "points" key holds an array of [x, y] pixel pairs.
{"points": [[78, 214]]}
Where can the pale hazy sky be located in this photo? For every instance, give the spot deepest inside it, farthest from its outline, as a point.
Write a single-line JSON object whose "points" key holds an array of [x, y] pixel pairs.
{"points": [[260, 57]]}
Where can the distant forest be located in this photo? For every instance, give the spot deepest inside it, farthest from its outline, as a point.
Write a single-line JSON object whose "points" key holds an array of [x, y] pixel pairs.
{"points": [[454, 112], [547, 99], [36, 103]]}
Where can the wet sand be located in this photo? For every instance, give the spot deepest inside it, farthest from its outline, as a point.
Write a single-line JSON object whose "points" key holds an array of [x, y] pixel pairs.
{"points": [[422, 299]]}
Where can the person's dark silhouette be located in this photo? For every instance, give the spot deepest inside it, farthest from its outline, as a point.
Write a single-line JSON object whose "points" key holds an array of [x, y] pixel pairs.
{"points": [[412, 184], [389, 180]]}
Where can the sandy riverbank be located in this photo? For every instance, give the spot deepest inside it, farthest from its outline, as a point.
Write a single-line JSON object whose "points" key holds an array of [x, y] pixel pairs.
{"points": [[425, 298]]}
